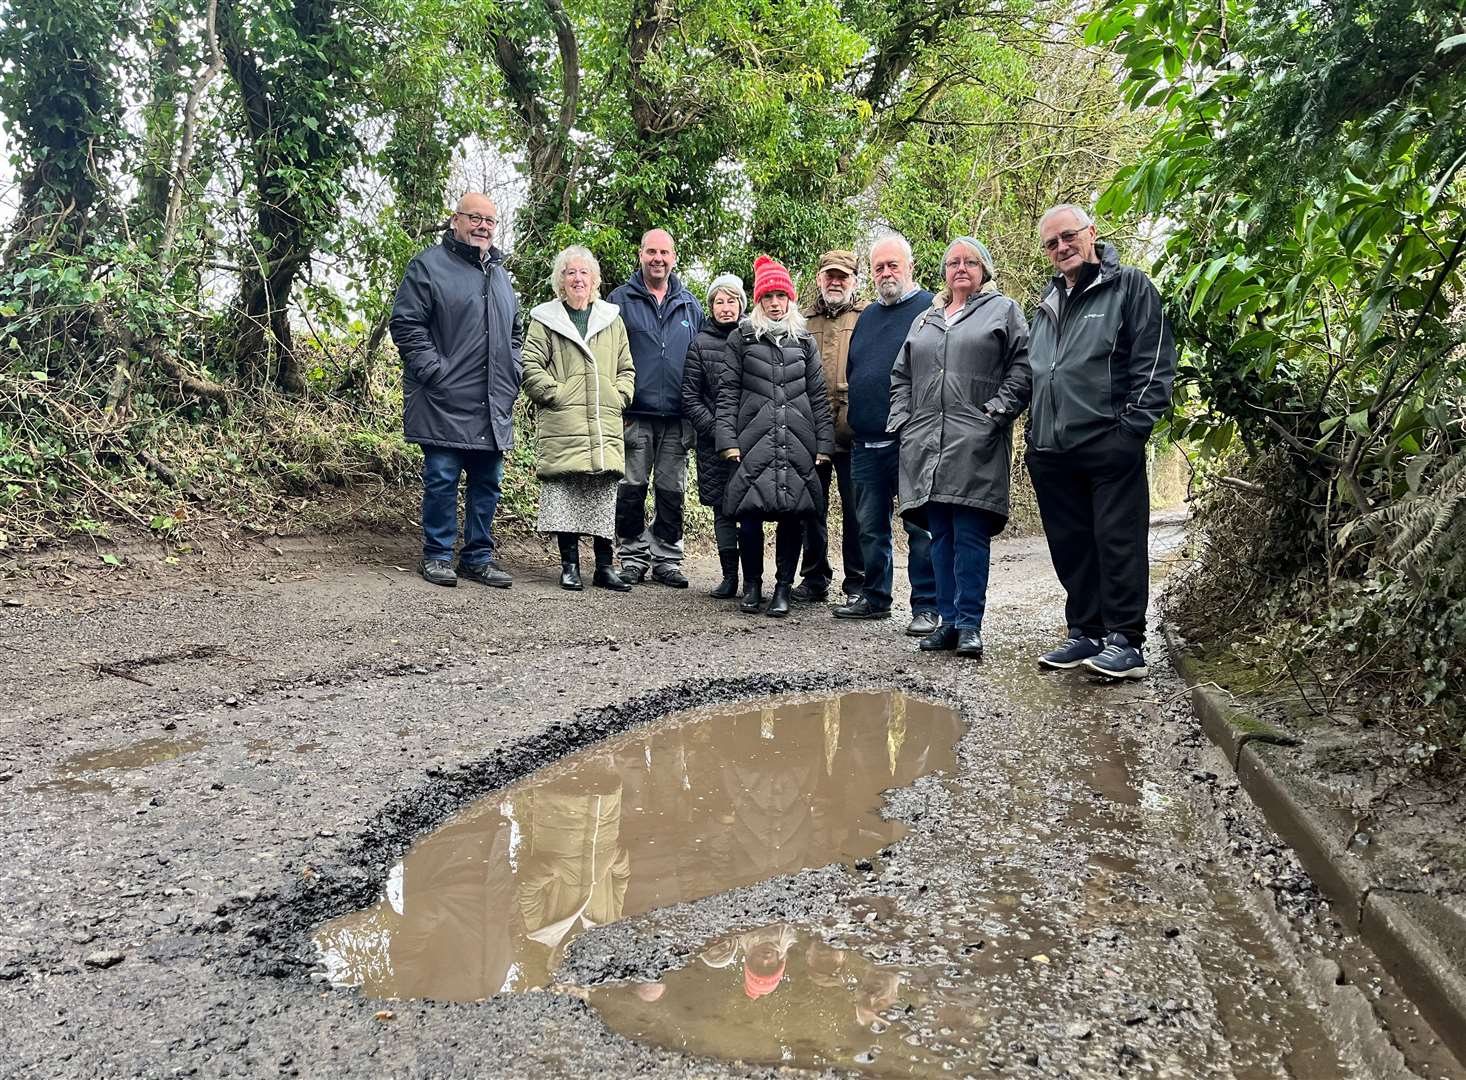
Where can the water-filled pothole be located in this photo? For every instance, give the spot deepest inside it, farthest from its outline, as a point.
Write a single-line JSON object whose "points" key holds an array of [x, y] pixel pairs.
{"points": [[693, 806]]}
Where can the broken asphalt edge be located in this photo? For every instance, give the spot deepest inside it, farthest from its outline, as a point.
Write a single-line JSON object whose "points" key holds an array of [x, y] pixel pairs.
{"points": [[1419, 940]]}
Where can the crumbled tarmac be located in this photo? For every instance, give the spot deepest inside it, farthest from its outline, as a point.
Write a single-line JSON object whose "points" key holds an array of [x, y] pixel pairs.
{"points": [[209, 871]]}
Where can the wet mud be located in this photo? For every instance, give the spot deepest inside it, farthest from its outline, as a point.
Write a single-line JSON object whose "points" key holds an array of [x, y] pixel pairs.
{"points": [[1042, 914], [1082, 893]]}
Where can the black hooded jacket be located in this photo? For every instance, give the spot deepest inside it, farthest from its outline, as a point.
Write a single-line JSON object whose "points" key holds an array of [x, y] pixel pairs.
{"points": [[1102, 360]]}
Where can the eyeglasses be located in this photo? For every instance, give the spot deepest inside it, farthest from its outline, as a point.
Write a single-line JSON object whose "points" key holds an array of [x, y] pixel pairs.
{"points": [[958, 264], [478, 219], [1065, 237]]}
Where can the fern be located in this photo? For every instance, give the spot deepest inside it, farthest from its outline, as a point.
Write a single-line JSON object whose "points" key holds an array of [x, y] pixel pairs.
{"points": [[1425, 533]]}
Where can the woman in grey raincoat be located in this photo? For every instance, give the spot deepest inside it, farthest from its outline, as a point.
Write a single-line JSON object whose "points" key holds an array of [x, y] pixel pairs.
{"points": [[960, 380]]}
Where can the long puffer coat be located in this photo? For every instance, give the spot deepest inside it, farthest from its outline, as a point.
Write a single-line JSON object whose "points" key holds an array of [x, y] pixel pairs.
{"points": [[700, 375], [774, 408], [955, 390], [580, 387]]}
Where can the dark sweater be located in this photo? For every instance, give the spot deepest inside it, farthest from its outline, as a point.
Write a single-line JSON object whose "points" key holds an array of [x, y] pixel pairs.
{"points": [[874, 346]]}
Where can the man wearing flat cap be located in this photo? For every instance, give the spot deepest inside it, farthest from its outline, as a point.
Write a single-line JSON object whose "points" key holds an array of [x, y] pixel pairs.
{"points": [[832, 316]]}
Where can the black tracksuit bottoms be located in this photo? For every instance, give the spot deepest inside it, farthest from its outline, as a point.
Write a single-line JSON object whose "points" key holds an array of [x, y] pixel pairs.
{"points": [[1095, 505]]}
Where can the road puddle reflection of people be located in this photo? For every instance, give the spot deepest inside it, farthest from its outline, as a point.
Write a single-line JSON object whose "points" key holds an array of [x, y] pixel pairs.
{"points": [[684, 809], [776, 994]]}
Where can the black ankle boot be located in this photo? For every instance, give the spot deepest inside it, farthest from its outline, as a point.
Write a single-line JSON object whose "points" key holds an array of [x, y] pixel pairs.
{"points": [[779, 604], [753, 597], [570, 576], [607, 578], [728, 588]]}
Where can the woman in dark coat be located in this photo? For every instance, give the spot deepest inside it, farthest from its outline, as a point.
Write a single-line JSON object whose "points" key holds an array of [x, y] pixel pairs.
{"points": [[960, 379], [774, 420], [726, 301]]}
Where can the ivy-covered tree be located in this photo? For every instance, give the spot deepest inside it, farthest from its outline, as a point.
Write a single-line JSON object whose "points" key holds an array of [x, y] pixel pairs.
{"points": [[1308, 162]]}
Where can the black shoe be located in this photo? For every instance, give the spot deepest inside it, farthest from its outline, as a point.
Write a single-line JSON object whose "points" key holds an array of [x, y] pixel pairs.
{"points": [[570, 576], [669, 576], [753, 597], [438, 571], [807, 593], [486, 573], [606, 578], [779, 602], [861, 609], [969, 643], [942, 639], [727, 588], [922, 623], [633, 575]]}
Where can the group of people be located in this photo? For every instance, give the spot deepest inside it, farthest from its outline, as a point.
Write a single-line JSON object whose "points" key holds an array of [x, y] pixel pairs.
{"points": [[906, 402]]}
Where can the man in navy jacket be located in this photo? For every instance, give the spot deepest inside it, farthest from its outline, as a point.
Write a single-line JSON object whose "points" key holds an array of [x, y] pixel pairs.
{"points": [[457, 327], [661, 318], [1103, 362]]}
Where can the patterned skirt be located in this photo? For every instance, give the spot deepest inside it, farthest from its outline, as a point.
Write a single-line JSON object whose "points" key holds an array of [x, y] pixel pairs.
{"points": [[579, 504]]}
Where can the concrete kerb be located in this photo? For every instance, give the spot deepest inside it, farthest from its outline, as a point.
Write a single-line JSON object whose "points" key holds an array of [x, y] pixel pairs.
{"points": [[1418, 939]]}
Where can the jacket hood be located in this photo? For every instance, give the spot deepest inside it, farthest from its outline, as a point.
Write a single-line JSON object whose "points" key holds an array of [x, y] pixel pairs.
{"points": [[676, 292], [553, 315], [1109, 260], [468, 251]]}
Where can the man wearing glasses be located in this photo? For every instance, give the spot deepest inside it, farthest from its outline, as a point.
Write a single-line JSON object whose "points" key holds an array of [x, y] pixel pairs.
{"points": [[1103, 361], [457, 327]]}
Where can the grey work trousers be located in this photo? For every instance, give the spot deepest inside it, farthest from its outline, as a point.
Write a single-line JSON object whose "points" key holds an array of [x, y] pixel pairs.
{"points": [[656, 459]]}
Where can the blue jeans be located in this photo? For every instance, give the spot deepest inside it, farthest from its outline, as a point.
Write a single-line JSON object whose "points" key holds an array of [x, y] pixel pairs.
{"points": [[961, 548], [441, 467], [874, 471]]}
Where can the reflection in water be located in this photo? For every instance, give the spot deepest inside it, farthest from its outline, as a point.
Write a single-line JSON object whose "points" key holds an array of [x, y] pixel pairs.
{"points": [[780, 995], [693, 806]]}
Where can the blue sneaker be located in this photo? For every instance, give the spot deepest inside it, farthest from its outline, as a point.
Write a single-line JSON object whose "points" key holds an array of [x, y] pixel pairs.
{"points": [[1072, 653], [1118, 660]]}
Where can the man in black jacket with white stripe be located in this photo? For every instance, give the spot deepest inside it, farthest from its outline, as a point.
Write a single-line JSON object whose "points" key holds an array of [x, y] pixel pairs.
{"points": [[1103, 361]]}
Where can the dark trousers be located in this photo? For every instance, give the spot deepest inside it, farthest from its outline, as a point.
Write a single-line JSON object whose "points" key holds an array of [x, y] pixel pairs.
{"points": [[788, 537], [962, 538], [874, 471], [725, 531], [441, 468], [570, 549], [1095, 506], [817, 571]]}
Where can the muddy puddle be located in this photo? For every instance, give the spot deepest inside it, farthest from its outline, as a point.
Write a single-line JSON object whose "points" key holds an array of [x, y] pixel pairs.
{"points": [[693, 806], [1059, 928], [77, 773]]}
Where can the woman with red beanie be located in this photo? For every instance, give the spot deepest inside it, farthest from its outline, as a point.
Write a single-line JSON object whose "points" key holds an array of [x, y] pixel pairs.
{"points": [[774, 421]]}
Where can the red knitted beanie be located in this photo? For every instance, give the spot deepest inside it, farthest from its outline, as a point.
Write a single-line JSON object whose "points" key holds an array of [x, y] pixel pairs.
{"points": [[769, 276]]}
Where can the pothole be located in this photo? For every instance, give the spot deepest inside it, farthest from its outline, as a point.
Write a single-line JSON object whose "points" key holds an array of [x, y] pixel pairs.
{"points": [[689, 807]]}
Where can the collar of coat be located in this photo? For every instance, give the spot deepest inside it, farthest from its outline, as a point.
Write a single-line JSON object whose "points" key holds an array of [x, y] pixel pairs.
{"points": [[469, 253], [1109, 268], [982, 296], [553, 315], [677, 294], [819, 307]]}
